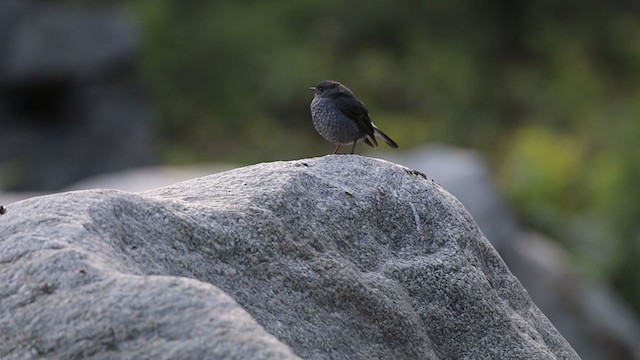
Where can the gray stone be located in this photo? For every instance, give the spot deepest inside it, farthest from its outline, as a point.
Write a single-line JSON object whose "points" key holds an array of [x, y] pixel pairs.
{"points": [[589, 313], [336, 257]]}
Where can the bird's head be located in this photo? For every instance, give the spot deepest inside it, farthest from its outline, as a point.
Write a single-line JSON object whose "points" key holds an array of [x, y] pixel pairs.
{"points": [[330, 88]]}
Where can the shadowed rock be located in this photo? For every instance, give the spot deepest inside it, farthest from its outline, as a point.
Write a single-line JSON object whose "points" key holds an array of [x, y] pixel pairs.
{"points": [[335, 257], [71, 105]]}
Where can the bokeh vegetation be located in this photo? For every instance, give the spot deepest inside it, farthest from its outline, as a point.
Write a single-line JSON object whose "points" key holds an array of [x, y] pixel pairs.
{"points": [[549, 90]]}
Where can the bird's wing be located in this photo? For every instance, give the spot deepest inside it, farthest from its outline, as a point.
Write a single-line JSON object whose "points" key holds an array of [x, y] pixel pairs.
{"points": [[354, 109]]}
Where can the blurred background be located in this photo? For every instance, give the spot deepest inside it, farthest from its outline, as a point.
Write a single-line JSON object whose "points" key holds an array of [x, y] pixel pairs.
{"points": [[543, 95]]}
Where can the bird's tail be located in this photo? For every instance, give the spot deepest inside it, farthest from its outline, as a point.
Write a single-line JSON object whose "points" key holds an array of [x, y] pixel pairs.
{"points": [[385, 137]]}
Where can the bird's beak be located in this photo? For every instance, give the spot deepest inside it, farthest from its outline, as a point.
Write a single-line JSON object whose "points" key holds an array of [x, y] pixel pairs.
{"points": [[312, 88]]}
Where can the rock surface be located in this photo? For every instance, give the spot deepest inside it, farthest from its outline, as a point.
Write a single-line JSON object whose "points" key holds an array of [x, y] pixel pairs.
{"points": [[335, 257], [588, 313]]}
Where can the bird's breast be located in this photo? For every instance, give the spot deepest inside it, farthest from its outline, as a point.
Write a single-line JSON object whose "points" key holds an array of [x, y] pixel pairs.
{"points": [[331, 123]]}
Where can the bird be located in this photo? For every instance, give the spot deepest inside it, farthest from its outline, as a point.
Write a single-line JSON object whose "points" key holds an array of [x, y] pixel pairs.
{"points": [[341, 118]]}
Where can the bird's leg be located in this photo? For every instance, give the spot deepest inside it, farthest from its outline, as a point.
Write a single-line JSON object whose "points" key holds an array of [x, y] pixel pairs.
{"points": [[353, 148], [336, 150]]}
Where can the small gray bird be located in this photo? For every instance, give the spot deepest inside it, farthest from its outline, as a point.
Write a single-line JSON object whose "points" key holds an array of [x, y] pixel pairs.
{"points": [[343, 119]]}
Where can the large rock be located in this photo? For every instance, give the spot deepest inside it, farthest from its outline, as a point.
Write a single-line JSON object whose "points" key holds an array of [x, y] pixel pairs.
{"points": [[336, 257], [589, 313]]}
